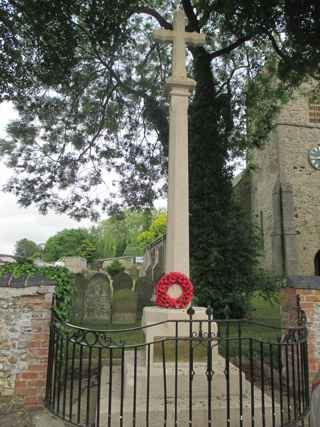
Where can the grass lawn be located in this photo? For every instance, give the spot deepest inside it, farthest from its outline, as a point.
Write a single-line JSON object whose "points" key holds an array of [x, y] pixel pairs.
{"points": [[264, 324], [265, 310]]}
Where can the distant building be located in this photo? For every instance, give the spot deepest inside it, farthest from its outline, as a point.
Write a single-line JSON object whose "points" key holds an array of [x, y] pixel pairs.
{"points": [[76, 264]]}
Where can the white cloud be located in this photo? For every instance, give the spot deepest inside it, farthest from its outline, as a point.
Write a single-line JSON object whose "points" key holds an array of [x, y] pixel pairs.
{"points": [[17, 222]]}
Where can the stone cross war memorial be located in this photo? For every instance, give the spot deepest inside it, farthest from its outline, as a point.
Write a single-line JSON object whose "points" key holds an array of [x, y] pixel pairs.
{"points": [[181, 367], [179, 88]]}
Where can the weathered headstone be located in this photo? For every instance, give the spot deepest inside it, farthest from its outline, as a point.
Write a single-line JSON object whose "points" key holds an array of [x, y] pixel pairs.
{"points": [[122, 281], [78, 297], [145, 292], [124, 306], [97, 298]]}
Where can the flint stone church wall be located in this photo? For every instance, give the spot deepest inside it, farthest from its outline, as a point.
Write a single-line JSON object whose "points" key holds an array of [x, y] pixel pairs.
{"points": [[284, 190]]}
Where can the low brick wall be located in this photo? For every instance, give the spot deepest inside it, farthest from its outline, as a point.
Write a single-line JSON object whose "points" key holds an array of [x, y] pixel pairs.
{"points": [[24, 338], [308, 288]]}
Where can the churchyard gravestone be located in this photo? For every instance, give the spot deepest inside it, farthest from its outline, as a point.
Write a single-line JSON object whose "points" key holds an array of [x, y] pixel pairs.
{"points": [[91, 298], [122, 281], [124, 299], [97, 299], [78, 293], [124, 306], [145, 293]]}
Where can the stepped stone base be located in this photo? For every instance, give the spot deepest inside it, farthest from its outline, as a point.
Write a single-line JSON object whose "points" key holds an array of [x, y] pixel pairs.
{"points": [[199, 408], [158, 400]]}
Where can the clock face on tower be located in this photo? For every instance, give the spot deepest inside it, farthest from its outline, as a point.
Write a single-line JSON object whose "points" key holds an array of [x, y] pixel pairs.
{"points": [[314, 157]]}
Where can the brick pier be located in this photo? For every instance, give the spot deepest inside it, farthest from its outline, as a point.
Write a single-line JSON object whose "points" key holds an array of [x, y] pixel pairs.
{"points": [[308, 288], [24, 339]]}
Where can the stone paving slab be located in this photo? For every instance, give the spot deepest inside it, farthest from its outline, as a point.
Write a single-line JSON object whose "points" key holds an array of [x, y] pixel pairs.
{"points": [[18, 419], [22, 418], [45, 419]]}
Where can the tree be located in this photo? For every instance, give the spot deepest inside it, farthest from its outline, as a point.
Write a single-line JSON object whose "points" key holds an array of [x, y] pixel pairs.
{"points": [[114, 268], [118, 235], [88, 250], [70, 242], [26, 248], [105, 109], [157, 228]]}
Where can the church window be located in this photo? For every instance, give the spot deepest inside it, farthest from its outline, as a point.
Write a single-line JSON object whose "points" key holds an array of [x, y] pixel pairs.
{"points": [[317, 264], [314, 112]]}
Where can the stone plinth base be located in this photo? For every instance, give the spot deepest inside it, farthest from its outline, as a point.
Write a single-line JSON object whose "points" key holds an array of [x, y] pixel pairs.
{"points": [[172, 323]]}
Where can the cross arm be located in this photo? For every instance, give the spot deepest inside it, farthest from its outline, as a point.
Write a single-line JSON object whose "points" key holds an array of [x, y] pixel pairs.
{"points": [[195, 39], [163, 36]]}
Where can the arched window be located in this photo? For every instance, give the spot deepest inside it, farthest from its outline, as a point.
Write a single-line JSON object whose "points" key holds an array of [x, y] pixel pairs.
{"points": [[317, 264]]}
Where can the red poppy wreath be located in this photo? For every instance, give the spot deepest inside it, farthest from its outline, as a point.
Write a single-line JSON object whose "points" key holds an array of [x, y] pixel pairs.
{"points": [[163, 299]]}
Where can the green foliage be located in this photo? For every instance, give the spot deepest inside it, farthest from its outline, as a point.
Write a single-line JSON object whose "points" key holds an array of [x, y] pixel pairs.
{"points": [[114, 268], [265, 96], [26, 248], [70, 242], [85, 76], [231, 275], [263, 308], [118, 235], [133, 250], [158, 228], [61, 276], [88, 250]]}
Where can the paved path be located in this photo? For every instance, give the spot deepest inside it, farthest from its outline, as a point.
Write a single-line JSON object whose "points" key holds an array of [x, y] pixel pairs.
{"points": [[45, 419], [315, 404], [22, 418]]}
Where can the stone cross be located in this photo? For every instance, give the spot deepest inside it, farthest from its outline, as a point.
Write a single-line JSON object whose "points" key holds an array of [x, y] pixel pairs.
{"points": [[180, 88], [179, 37]]}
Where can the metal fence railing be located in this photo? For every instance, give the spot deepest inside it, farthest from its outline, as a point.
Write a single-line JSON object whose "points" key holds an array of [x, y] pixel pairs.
{"points": [[213, 372]]}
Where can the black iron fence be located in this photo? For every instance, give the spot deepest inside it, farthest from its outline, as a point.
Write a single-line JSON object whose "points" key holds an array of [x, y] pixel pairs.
{"points": [[213, 372]]}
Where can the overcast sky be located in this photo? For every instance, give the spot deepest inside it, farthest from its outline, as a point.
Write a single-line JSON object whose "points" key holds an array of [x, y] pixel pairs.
{"points": [[16, 222]]}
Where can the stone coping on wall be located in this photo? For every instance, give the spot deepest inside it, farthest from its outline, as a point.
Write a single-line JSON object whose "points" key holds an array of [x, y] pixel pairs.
{"points": [[303, 282], [25, 281]]}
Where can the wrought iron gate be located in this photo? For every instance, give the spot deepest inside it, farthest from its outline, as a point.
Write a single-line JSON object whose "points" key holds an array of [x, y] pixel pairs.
{"points": [[218, 372]]}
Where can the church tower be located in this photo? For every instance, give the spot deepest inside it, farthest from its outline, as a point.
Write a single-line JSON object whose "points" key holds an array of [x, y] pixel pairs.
{"points": [[285, 189]]}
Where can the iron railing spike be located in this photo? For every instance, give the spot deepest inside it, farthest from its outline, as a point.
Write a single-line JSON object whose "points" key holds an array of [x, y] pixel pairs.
{"points": [[190, 311], [209, 311]]}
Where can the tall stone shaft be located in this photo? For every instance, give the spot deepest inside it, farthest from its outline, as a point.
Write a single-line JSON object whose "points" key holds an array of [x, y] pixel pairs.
{"points": [[180, 88], [177, 243]]}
